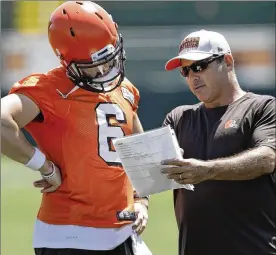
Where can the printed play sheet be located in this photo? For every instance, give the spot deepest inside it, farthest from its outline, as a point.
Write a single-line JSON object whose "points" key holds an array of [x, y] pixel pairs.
{"points": [[141, 156]]}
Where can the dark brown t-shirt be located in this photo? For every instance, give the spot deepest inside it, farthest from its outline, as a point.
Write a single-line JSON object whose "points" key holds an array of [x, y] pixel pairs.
{"points": [[226, 217]]}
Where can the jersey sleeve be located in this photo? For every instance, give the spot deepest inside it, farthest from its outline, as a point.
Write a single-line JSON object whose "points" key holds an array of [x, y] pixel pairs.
{"points": [[131, 93], [35, 87], [136, 99], [264, 130]]}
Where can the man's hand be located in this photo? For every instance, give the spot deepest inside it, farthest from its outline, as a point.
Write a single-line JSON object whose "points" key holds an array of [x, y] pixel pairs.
{"points": [[187, 171], [51, 178], [142, 217]]}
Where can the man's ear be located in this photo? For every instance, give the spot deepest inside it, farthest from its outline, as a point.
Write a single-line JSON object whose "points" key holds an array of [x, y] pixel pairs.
{"points": [[229, 61]]}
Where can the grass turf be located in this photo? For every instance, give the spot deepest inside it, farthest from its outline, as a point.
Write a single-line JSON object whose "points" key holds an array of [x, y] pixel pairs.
{"points": [[20, 202]]}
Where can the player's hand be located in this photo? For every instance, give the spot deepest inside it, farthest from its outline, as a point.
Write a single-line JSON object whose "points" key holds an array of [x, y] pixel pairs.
{"points": [[142, 217], [187, 171], [51, 178]]}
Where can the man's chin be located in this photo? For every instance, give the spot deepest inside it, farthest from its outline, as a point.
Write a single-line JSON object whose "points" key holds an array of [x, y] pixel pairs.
{"points": [[202, 98]]}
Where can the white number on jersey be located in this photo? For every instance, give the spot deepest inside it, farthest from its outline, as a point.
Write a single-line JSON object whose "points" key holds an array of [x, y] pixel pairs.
{"points": [[107, 131]]}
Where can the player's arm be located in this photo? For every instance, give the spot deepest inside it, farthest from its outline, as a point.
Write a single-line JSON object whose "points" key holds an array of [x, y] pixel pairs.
{"points": [[17, 111], [140, 203], [137, 126]]}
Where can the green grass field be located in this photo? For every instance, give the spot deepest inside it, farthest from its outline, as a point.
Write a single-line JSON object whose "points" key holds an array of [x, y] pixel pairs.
{"points": [[20, 202]]}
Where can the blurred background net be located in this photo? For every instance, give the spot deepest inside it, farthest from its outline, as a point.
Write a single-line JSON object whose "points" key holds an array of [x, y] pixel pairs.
{"points": [[152, 32]]}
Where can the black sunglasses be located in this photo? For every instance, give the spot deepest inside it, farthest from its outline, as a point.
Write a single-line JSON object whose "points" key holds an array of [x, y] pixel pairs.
{"points": [[199, 65]]}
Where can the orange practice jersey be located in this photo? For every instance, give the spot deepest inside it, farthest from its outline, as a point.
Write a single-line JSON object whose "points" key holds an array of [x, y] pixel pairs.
{"points": [[76, 135]]}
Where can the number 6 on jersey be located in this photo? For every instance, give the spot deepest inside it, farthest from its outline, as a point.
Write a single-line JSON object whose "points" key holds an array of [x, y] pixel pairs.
{"points": [[107, 131]]}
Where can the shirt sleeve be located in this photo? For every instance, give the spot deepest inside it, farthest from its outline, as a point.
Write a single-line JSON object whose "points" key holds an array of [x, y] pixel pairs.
{"points": [[35, 87], [264, 130], [168, 121]]}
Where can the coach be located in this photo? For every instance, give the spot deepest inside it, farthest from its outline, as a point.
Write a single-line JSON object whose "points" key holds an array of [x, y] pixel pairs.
{"points": [[229, 154]]}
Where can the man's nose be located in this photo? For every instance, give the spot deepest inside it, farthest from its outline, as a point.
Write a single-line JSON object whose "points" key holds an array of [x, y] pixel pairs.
{"points": [[194, 77]]}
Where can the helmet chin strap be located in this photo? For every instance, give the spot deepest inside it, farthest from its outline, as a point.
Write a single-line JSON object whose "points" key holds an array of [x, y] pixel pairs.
{"points": [[109, 78]]}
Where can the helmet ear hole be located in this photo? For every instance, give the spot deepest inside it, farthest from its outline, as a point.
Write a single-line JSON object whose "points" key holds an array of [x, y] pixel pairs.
{"points": [[72, 32], [49, 24], [100, 17]]}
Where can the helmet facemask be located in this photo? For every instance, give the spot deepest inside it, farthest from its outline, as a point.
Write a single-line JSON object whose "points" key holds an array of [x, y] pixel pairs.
{"points": [[100, 74]]}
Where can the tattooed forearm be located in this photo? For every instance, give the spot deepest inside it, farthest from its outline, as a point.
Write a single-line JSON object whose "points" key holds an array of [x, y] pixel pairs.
{"points": [[244, 166]]}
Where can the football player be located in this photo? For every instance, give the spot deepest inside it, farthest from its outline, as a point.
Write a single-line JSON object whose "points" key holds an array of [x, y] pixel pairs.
{"points": [[73, 112]]}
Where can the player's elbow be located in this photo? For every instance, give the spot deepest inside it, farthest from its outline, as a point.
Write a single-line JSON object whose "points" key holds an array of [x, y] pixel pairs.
{"points": [[9, 133], [6, 120], [8, 125]]}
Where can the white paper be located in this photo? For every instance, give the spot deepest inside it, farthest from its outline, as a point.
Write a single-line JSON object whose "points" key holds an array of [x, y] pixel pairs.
{"points": [[141, 156], [139, 247]]}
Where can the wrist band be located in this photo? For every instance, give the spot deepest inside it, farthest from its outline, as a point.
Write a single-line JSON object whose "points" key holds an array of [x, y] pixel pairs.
{"points": [[135, 196], [37, 161], [143, 202], [48, 176]]}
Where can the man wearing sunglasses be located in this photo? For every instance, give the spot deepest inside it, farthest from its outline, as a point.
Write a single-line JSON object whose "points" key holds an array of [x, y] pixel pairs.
{"points": [[229, 146]]}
